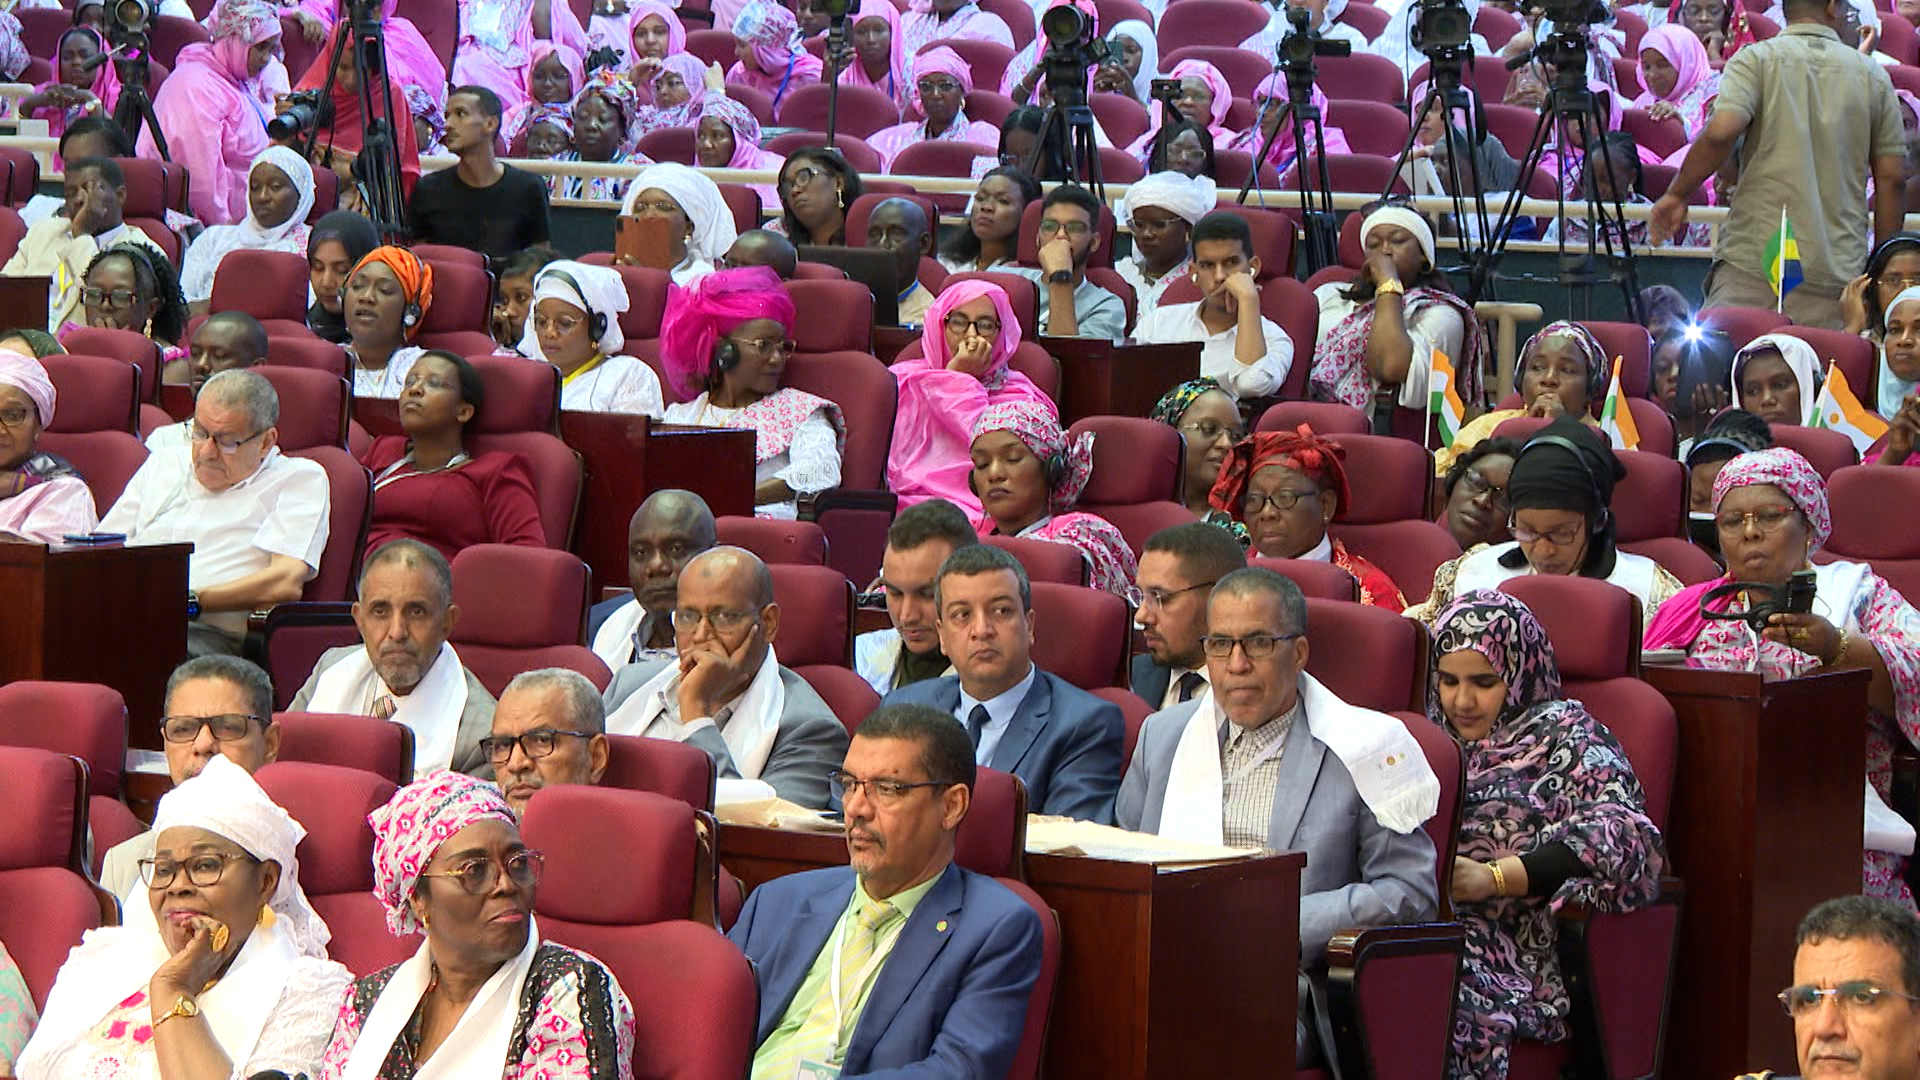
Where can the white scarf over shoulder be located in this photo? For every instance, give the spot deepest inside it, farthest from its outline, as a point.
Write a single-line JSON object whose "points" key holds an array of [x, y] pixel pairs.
{"points": [[477, 1046], [432, 711], [753, 722]]}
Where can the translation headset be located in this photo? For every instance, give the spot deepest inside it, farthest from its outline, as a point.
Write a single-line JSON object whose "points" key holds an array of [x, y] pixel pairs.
{"points": [[1054, 465], [726, 356], [1600, 520], [411, 314], [596, 321]]}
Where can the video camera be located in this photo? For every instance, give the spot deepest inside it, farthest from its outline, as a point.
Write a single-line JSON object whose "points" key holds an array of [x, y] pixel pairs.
{"points": [[1301, 45], [1073, 49], [305, 113], [1443, 26]]}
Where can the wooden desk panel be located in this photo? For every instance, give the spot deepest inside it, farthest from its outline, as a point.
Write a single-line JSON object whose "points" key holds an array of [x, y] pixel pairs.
{"points": [[1164, 972], [1098, 378]]}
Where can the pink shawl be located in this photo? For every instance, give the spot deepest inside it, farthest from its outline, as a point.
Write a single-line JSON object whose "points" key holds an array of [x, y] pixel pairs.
{"points": [[855, 74], [654, 117], [105, 87], [1222, 97], [1281, 154], [780, 64], [218, 121], [1681, 49]]}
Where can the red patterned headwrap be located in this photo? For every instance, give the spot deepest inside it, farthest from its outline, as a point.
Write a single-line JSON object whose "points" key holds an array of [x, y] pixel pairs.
{"points": [[1312, 456]]}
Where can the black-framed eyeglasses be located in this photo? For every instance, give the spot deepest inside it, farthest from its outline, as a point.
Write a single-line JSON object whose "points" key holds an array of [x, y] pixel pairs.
{"points": [[883, 790], [1162, 597], [227, 444], [1075, 229], [1256, 646], [1858, 995], [479, 876], [804, 176], [1281, 501], [226, 727], [986, 325], [112, 299], [1564, 536], [1476, 485], [202, 870], [538, 743]]}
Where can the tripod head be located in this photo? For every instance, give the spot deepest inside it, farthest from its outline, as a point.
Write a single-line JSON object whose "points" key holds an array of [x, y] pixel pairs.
{"points": [[1298, 49]]}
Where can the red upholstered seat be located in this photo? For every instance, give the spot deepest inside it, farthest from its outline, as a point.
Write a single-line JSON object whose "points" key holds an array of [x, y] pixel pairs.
{"points": [[1740, 324], [268, 285], [862, 208], [1273, 241], [1225, 23], [775, 541], [443, 254], [521, 415], [743, 202], [107, 460], [646, 302], [1045, 560], [1026, 1061], [992, 840], [640, 864], [314, 406], [171, 33], [858, 154], [1853, 353], [1111, 281], [123, 345], [1122, 118], [1663, 137], [300, 54], [521, 608], [1230, 169], [988, 61], [1029, 246], [46, 903], [816, 614], [668, 144], [1324, 417], [846, 693], [1634, 346], [1348, 172], [41, 29], [1371, 127], [1243, 69], [380, 747], [1134, 711], [1113, 12], [1873, 522], [86, 721], [1316, 579], [1371, 657], [1119, 167], [306, 351], [350, 510], [95, 394], [462, 306], [1138, 467], [832, 316], [1652, 500], [988, 106], [665, 967], [674, 769], [947, 159], [1826, 450], [1082, 635], [758, 102], [867, 396], [438, 22], [1389, 521], [1689, 564], [292, 638], [813, 271], [12, 231], [863, 110]]}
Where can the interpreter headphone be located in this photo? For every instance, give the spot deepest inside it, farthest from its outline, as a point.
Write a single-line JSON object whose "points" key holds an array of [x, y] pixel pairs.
{"points": [[1054, 466], [726, 356], [1601, 519], [410, 315], [596, 321]]}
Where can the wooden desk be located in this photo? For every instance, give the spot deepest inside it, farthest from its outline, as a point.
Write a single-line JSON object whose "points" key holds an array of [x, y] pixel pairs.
{"points": [[1765, 824], [1164, 971], [103, 614], [1098, 378]]}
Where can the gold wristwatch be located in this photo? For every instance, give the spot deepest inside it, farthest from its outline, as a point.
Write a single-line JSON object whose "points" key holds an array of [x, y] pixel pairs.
{"points": [[1389, 287], [182, 1006]]}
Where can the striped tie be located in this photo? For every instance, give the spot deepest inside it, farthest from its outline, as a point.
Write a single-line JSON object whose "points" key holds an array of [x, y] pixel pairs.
{"points": [[384, 707], [816, 1036]]}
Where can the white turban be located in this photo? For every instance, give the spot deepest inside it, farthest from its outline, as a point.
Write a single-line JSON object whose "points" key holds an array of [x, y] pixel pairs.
{"points": [[1190, 197], [699, 199], [1406, 219], [225, 800], [596, 290]]}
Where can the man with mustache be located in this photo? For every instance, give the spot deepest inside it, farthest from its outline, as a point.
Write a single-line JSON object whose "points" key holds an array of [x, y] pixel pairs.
{"points": [[667, 531], [1178, 567], [826, 942], [405, 671], [549, 727], [1855, 1000]]}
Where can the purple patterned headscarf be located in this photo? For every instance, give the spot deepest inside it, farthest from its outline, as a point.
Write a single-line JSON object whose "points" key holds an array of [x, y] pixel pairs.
{"points": [[1592, 355], [1788, 471], [412, 826], [771, 29], [1502, 629]]}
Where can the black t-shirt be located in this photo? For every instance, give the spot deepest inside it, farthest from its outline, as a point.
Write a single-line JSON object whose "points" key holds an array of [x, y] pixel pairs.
{"points": [[496, 221]]}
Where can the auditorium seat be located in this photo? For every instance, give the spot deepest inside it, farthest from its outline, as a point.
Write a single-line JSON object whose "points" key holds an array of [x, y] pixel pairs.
{"points": [[1488, 77], [743, 202], [308, 351], [1321, 580], [646, 303], [107, 460], [712, 46], [1018, 17], [1273, 239], [1134, 711], [1082, 635], [1826, 450], [462, 307], [1370, 657], [1287, 304], [336, 858], [988, 61], [1138, 468], [46, 901], [1119, 167], [1026, 1060], [86, 721], [350, 511], [1740, 324], [1225, 23], [123, 345], [1663, 137], [299, 52], [676, 770], [1029, 235], [287, 640], [146, 204], [775, 541], [444, 254], [271, 286], [1111, 281], [1897, 38], [12, 231], [1498, 28], [857, 214], [853, 516], [1634, 346], [381, 747], [849, 696], [816, 615], [95, 393], [314, 407], [1348, 172], [1652, 500], [665, 968], [1873, 522], [521, 415], [1122, 118], [669, 144], [642, 862], [992, 840], [1044, 560], [1371, 127], [943, 159], [1389, 520], [1853, 353], [858, 154], [40, 30], [1243, 68], [1328, 418], [988, 106], [521, 608]]}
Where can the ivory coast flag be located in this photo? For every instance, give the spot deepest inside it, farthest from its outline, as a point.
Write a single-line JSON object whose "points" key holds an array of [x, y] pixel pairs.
{"points": [[1838, 410], [1783, 261], [1443, 398], [1615, 418]]}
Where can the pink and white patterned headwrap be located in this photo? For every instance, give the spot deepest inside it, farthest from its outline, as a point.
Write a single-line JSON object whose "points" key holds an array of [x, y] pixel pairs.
{"points": [[771, 29], [412, 826], [13, 50], [1034, 425], [1788, 471], [30, 377]]}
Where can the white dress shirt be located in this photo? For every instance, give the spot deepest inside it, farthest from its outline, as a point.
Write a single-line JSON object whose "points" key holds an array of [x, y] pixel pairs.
{"points": [[1146, 294], [1172, 697], [1000, 710], [1181, 322]]}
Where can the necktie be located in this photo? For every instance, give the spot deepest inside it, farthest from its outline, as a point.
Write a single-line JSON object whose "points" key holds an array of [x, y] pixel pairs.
{"points": [[1190, 685], [815, 1039], [384, 707], [977, 721]]}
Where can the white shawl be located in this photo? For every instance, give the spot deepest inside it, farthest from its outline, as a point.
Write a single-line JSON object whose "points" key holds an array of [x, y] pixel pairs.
{"points": [[1483, 570], [477, 1046], [614, 643], [749, 730], [432, 711], [1389, 769]]}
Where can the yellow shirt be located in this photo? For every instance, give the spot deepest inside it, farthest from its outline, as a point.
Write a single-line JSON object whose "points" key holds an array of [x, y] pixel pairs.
{"points": [[779, 1048]]}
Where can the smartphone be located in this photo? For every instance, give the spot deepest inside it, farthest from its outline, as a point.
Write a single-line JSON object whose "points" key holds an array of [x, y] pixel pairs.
{"points": [[647, 241], [1707, 362], [1801, 588], [95, 538]]}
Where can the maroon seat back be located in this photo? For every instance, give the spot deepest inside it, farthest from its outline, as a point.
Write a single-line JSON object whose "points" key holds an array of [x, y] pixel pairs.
{"points": [[1634, 346], [314, 407], [677, 770], [1138, 469], [1828, 451], [107, 460], [1872, 522], [307, 352], [1224, 23], [863, 110], [349, 512], [993, 838], [669, 144], [439, 254], [123, 345], [848, 695], [664, 967], [775, 541], [868, 397], [83, 720], [743, 202], [521, 608], [637, 865], [1740, 324], [1371, 127], [45, 902], [1081, 635], [1689, 564], [832, 316], [1652, 500], [12, 229], [1366, 77], [816, 614], [461, 310], [264, 284], [1122, 118], [1324, 417], [1033, 1036], [1389, 521], [1369, 656], [1045, 560], [862, 157], [862, 208], [95, 394], [1273, 240], [1029, 234], [380, 747], [1316, 579]]}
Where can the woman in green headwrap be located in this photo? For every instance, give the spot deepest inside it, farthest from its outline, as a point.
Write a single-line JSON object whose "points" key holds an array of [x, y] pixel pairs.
{"points": [[1207, 418]]}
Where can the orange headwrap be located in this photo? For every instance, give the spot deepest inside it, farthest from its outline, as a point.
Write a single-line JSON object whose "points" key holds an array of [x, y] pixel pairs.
{"points": [[416, 279], [1312, 456]]}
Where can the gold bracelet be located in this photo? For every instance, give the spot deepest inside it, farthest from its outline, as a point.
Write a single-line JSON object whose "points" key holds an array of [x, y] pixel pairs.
{"points": [[1394, 287], [1840, 651], [1499, 878]]}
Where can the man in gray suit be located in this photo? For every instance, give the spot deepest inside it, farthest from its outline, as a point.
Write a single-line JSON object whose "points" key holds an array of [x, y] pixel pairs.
{"points": [[727, 693], [1278, 761], [404, 670]]}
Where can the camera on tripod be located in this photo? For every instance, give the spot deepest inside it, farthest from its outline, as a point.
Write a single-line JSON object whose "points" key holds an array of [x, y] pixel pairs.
{"points": [[1073, 49], [1443, 26], [306, 111], [1301, 45]]}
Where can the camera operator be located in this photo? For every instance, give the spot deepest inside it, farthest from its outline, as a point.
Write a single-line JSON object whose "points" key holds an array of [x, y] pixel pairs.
{"points": [[342, 132], [210, 112]]}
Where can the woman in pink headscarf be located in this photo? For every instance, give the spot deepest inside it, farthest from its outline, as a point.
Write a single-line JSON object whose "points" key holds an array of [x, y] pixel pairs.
{"points": [[74, 92], [767, 42], [941, 83], [556, 73], [928, 21], [728, 137], [1271, 99], [211, 109], [969, 337], [1014, 447], [677, 90], [42, 498], [1204, 99], [496, 47], [1680, 82], [878, 58]]}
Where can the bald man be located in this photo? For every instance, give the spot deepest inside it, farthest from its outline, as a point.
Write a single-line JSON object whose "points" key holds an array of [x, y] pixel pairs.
{"points": [[726, 692], [900, 227], [758, 247], [668, 529], [223, 341]]}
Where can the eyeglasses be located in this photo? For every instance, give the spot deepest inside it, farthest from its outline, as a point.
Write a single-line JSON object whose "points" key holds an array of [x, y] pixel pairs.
{"points": [[14, 418], [227, 444], [1256, 646], [767, 346], [1767, 519], [663, 207], [1281, 501], [939, 86], [1160, 598], [804, 176], [986, 325], [1477, 485], [118, 298], [1564, 536], [687, 620], [565, 324], [1074, 229], [537, 743], [1211, 432], [1857, 996], [883, 790], [226, 727], [202, 870], [1152, 225], [478, 876]]}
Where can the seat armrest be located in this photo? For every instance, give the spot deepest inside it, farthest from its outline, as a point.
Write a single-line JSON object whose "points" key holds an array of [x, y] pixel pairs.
{"points": [[1390, 990], [1619, 974]]}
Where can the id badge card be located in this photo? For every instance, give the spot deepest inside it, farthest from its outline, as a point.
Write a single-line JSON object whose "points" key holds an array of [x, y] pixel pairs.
{"points": [[815, 1070]]}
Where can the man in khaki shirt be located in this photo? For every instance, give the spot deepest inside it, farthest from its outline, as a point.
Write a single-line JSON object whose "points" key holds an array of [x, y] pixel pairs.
{"points": [[64, 245], [1817, 117]]}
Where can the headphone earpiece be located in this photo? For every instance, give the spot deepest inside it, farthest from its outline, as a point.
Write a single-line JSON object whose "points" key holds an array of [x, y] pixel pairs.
{"points": [[726, 357], [1600, 520], [596, 320], [1056, 466], [410, 317]]}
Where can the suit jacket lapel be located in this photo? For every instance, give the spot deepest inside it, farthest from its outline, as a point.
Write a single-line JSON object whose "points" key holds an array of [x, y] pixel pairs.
{"points": [[1150, 680], [914, 951], [1299, 769], [809, 928], [1025, 725]]}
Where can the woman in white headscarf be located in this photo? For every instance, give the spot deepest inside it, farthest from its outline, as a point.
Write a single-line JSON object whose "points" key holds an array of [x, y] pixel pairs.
{"points": [[1777, 377], [1161, 211], [575, 326], [1135, 63], [701, 223], [279, 198], [42, 498], [226, 975]]}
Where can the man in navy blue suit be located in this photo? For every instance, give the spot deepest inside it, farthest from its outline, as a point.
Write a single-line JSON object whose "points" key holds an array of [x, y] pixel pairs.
{"points": [[903, 964], [1062, 742]]}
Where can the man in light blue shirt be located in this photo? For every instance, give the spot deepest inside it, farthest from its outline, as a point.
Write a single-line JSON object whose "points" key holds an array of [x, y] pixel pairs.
{"points": [[1069, 235]]}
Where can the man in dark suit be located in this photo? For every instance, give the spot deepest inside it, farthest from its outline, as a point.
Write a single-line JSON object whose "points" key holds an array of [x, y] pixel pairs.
{"points": [[667, 531], [1062, 742], [902, 963], [1178, 567]]}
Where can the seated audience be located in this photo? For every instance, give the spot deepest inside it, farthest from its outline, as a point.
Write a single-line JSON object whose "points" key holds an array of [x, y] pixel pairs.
{"points": [[1770, 508], [725, 344], [513, 295], [555, 73], [900, 226], [957, 1002], [1205, 97], [385, 300], [1679, 79], [1721, 27], [1178, 568], [699, 225], [1062, 742], [770, 57], [909, 651], [1551, 815], [549, 137], [1275, 130], [1861, 956], [257, 518], [1894, 268], [1162, 211], [131, 286], [89, 136], [816, 187], [1664, 311], [224, 973], [520, 1006], [1133, 62], [84, 85], [65, 245], [1325, 15], [223, 341], [1281, 489], [1028, 476], [1563, 371], [680, 85], [549, 727], [1241, 349], [950, 20], [1896, 448], [1476, 493], [1068, 237], [991, 238], [427, 487], [941, 83], [216, 706], [1381, 330], [17, 1013], [1269, 757], [970, 335], [762, 247], [727, 136], [1184, 147], [604, 113], [279, 198], [575, 326], [727, 693], [1558, 496], [875, 57], [1733, 433], [480, 203], [1777, 377], [210, 108], [342, 130], [42, 497], [1899, 362], [337, 244], [1208, 420], [666, 532]]}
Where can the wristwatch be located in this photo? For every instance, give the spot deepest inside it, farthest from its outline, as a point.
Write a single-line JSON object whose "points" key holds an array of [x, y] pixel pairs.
{"points": [[1384, 287], [182, 1006], [193, 606]]}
